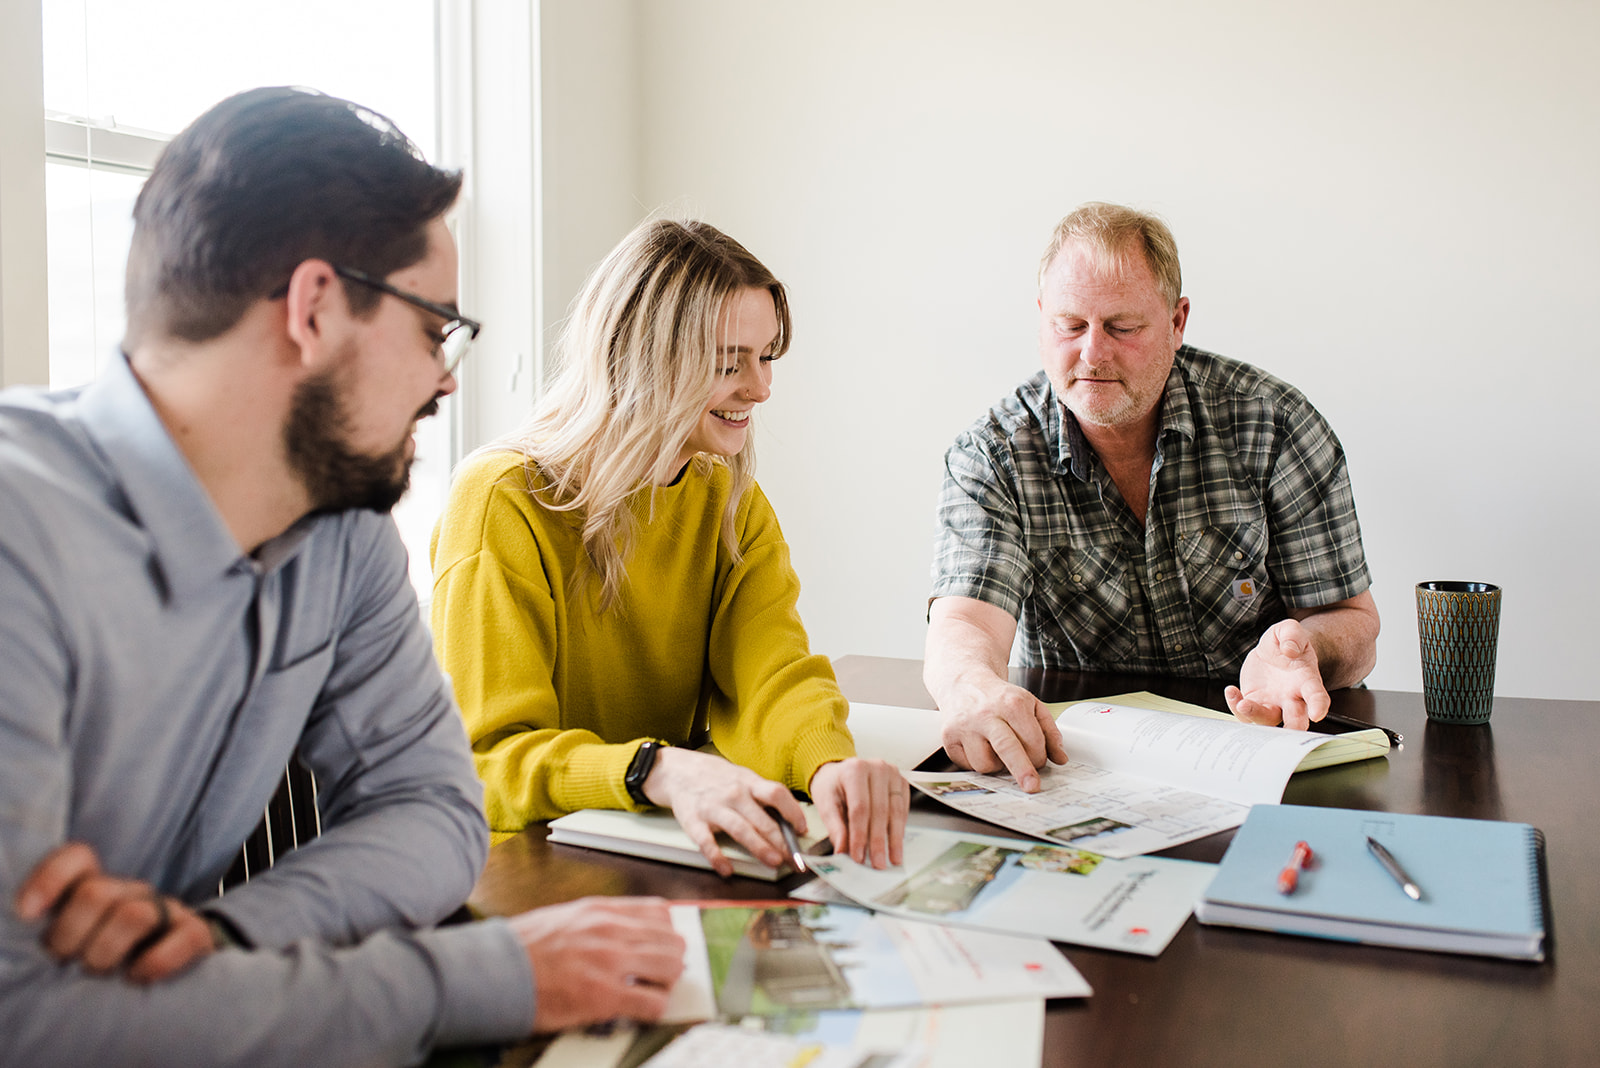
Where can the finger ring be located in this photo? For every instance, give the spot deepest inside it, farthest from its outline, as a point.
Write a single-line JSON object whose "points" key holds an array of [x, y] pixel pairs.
{"points": [[163, 914], [157, 933]]}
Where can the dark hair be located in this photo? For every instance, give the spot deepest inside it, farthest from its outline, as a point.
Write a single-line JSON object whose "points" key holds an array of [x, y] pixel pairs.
{"points": [[257, 185]]}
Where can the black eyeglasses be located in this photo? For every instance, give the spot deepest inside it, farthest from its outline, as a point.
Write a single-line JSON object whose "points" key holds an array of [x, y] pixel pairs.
{"points": [[455, 336]]}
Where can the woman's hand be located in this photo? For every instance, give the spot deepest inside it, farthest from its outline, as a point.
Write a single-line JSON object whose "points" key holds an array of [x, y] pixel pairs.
{"points": [[709, 794], [863, 804]]}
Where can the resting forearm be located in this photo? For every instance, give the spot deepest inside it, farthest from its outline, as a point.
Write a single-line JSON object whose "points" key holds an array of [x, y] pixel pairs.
{"points": [[969, 645], [419, 860], [1346, 644], [382, 1002], [956, 656]]}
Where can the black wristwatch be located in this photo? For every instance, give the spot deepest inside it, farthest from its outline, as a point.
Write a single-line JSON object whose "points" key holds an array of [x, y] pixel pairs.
{"points": [[639, 770]]}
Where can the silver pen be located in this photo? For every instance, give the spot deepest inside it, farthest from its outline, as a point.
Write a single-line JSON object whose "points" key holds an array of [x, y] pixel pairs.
{"points": [[1392, 866], [791, 841]]}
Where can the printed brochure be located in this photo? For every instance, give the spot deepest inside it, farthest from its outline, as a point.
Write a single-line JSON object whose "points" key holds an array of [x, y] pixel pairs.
{"points": [[1018, 886], [778, 958], [1142, 779]]}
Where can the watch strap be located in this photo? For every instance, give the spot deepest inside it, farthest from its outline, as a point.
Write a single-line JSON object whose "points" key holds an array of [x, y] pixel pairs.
{"points": [[644, 759]]}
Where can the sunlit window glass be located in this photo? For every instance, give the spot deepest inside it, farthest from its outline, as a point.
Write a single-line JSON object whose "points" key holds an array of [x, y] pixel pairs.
{"points": [[156, 64], [90, 223]]}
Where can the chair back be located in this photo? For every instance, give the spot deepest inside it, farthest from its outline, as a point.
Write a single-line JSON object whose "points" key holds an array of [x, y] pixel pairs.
{"points": [[291, 818]]}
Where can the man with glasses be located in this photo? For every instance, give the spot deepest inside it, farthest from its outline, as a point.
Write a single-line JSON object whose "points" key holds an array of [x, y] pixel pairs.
{"points": [[199, 581]]}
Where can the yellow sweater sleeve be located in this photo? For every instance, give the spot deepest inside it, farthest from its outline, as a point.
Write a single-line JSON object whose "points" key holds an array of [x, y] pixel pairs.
{"points": [[776, 707], [495, 627]]}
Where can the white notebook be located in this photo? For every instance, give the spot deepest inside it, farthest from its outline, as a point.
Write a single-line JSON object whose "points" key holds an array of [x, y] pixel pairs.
{"points": [[657, 835]]}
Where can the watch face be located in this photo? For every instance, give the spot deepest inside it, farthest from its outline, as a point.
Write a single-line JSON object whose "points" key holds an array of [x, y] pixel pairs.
{"points": [[639, 770]]}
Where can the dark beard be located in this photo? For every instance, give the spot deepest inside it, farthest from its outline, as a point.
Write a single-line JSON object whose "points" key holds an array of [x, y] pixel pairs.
{"points": [[335, 476]]}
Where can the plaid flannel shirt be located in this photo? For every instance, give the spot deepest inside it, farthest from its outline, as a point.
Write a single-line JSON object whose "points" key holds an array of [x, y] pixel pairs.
{"points": [[1250, 514]]}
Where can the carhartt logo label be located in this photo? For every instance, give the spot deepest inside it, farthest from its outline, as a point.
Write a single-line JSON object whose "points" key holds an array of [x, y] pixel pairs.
{"points": [[1244, 590]]}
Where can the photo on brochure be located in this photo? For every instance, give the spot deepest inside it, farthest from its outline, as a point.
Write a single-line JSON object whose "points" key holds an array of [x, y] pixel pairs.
{"points": [[949, 886], [766, 961], [796, 960], [948, 787], [1096, 827]]}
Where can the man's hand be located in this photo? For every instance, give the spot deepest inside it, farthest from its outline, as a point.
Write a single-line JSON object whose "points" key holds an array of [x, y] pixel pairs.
{"points": [[599, 959], [1280, 680], [106, 923], [863, 804], [709, 794], [996, 726], [989, 724]]}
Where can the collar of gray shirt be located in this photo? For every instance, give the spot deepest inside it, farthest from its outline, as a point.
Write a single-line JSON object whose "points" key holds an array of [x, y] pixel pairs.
{"points": [[191, 547]]}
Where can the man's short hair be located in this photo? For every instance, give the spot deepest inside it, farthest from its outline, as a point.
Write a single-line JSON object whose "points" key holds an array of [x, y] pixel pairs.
{"points": [[262, 182], [1107, 230]]}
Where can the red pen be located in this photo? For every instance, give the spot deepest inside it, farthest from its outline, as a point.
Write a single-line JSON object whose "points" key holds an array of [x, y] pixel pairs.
{"points": [[1289, 877]]}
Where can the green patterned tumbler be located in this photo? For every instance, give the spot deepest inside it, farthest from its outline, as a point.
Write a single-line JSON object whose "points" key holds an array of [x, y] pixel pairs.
{"points": [[1459, 625]]}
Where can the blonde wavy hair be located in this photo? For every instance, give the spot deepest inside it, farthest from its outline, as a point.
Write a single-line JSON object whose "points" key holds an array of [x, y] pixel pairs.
{"points": [[638, 360], [1110, 231]]}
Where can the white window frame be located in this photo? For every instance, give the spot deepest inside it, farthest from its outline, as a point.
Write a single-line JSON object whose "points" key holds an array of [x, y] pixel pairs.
{"points": [[489, 125], [71, 139]]}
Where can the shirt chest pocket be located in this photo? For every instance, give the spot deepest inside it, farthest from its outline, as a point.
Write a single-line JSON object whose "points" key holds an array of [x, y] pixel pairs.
{"points": [[1230, 592], [1085, 604]]}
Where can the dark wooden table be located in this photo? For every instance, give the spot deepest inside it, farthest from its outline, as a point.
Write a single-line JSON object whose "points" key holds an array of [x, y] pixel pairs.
{"points": [[1240, 998]]}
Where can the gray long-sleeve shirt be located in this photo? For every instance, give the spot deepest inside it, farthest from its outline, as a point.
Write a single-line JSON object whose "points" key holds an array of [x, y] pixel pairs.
{"points": [[153, 684]]}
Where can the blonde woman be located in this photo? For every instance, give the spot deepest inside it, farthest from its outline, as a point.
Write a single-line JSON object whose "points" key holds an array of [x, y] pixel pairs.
{"points": [[611, 587]]}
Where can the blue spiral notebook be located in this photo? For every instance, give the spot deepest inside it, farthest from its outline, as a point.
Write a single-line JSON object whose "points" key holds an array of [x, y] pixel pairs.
{"points": [[1482, 882]]}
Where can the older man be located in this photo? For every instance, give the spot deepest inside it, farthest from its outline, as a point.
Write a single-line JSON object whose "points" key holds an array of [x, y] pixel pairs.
{"points": [[200, 579], [1144, 506]]}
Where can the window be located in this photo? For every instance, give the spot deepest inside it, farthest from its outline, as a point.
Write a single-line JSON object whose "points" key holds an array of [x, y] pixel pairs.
{"points": [[89, 224], [122, 78]]}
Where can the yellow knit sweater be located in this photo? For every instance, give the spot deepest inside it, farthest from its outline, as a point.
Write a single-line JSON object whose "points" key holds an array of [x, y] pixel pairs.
{"points": [[557, 695]]}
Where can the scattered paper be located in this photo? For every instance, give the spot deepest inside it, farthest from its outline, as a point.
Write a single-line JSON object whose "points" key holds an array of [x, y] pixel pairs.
{"points": [[1011, 885]]}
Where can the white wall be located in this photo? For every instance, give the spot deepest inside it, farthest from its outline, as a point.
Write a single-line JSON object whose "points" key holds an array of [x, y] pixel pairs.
{"points": [[591, 142], [24, 325], [553, 179], [1394, 205]]}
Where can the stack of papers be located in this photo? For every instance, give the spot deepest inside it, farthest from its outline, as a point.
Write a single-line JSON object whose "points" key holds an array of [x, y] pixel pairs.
{"points": [[998, 1034], [733, 1046]]}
